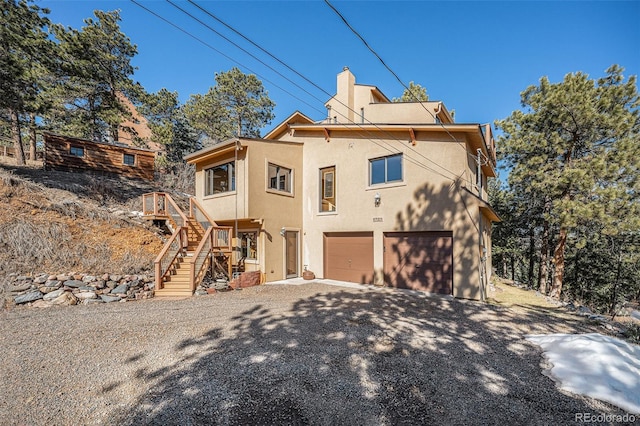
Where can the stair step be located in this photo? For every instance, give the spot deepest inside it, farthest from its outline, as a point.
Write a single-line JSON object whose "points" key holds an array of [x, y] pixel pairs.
{"points": [[161, 294], [175, 287]]}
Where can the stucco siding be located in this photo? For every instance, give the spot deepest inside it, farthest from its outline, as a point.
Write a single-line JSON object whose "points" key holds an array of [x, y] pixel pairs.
{"points": [[425, 200]]}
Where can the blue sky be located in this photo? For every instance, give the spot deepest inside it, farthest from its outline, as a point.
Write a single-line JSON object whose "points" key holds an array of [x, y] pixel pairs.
{"points": [[475, 56]]}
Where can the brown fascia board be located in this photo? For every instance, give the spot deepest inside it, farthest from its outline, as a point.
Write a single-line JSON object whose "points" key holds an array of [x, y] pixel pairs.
{"points": [[117, 144], [228, 145], [210, 151], [473, 129], [280, 127]]}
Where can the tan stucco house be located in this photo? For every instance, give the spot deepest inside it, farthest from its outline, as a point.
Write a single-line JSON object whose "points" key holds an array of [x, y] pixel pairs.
{"points": [[377, 192]]}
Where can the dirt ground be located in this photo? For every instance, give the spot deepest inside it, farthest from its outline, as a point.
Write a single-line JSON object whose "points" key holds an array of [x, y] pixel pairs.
{"points": [[278, 354]]}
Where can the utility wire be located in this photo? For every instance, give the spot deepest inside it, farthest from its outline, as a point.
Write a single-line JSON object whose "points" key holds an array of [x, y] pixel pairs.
{"points": [[416, 162], [221, 53], [392, 150], [354, 31], [298, 74]]}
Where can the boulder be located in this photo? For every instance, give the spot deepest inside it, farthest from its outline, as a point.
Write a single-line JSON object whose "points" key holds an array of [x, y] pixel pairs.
{"points": [[41, 304], [20, 287], [28, 297], [74, 283], [83, 295], [41, 279], [108, 299], [54, 294], [121, 289], [65, 298]]}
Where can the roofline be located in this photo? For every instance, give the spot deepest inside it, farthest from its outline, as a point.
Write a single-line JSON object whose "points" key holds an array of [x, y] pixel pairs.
{"points": [[228, 145], [470, 128], [210, 150], [285, 123]]}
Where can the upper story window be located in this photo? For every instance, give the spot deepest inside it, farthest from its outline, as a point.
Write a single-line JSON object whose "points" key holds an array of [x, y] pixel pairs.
{"points": [[77, 151], [385, 169], [221, 178], [328, 189], [280, 178], [129, 159]]}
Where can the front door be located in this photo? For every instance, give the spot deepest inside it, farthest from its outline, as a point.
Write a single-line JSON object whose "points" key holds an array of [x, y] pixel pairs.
{"points": [[291, 257]]}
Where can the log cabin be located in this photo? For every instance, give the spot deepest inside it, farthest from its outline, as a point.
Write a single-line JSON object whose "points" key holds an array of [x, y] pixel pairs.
{"points": [[74, 154]]}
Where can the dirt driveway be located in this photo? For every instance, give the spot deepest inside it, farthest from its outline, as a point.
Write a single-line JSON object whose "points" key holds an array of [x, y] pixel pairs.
{"points": [[310, 354]]}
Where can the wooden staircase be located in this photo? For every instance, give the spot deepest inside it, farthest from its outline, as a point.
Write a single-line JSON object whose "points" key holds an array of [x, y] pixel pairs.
{"points": [[188, 254]]}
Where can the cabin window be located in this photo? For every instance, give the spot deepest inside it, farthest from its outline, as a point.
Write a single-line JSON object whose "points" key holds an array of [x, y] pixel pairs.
{"points": [[248, 245], [328, 189], [280, 178], [77, 151], [219, 179], [129, 159], [385, 169]]}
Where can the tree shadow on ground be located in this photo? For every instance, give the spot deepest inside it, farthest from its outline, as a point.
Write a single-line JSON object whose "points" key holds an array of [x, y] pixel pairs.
{"points": [[360, 357]]}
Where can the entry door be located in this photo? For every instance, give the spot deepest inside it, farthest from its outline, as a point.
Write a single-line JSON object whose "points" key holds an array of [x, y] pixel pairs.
{"points": [[291, 257]]}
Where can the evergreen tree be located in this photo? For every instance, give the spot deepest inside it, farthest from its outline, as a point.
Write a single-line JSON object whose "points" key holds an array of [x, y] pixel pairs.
{"points": [[169, 126], [26, 55], [96, 68], [414, 93], [576, 143], [238, 105]]}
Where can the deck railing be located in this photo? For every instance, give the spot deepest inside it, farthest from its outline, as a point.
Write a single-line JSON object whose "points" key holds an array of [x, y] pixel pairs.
{"points": [[160, 204]]}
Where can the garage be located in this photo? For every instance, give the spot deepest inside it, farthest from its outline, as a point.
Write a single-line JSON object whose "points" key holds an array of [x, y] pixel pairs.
{"points": [[348, 256], [419, 261]]}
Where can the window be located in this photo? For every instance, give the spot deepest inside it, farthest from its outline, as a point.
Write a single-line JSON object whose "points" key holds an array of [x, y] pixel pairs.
{"points": [[219, 179], [328, 189], [248, 245], [77, 151], [129, 159], [385, 169], [280, 178]]}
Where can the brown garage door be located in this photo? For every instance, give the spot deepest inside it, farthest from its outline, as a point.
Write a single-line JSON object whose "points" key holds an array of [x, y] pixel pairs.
{"points": [[348, 256], [419, 261]]}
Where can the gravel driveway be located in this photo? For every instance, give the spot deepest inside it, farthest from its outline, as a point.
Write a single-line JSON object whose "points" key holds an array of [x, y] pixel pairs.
{"points": [[311, 354]]}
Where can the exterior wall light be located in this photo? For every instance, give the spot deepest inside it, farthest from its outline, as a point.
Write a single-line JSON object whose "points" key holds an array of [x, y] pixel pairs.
{"points": [[376, 199], [282, 231]]}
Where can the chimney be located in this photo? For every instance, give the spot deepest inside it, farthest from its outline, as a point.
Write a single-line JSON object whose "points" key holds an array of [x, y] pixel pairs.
{"points": [[345, 95]]}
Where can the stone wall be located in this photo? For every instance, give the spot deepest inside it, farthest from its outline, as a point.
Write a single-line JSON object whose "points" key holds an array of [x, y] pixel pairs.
{"points": [[46, 290]]}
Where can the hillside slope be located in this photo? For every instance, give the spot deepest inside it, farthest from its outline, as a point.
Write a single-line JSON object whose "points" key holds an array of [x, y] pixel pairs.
{"points": [[59, 222]]}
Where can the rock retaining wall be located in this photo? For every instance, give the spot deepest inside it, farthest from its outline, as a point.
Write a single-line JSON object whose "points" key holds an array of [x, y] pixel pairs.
{"points": [[46, 290]]}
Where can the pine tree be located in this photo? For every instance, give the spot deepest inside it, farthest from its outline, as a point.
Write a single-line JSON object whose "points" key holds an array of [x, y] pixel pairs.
{"points": [[26, 54], [414, 93], [576, 142], [238, 105], [96, 68]]}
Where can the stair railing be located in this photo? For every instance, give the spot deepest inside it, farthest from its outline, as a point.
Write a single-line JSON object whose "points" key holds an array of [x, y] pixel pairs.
{"points": [[216, 238], [197, 212], [173, 249]]}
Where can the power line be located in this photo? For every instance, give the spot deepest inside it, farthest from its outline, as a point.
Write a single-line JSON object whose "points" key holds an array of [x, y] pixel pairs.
{"points": [[354, 31], [392, 150], [221, 53], [298, 74]]}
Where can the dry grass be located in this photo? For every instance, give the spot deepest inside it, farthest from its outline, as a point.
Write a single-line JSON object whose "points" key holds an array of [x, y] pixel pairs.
{"points": [[522, 300], [46, 228]]}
